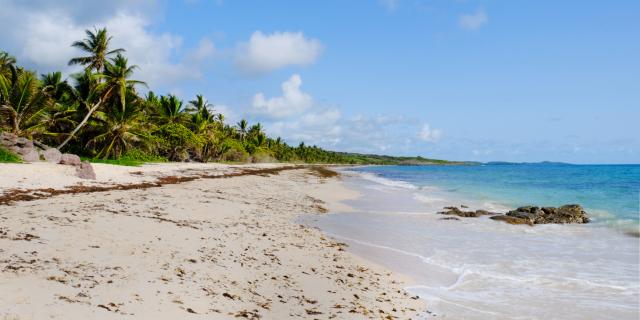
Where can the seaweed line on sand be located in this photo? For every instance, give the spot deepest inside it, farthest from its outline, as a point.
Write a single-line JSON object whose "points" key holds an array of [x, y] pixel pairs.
{"points": [[18, 195]]}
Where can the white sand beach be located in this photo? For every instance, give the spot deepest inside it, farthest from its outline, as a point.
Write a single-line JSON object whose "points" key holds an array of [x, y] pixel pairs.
{"points": [[203, 249]]}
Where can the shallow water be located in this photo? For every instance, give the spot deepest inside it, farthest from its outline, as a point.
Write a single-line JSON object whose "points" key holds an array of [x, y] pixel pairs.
{"points": [[477, 268]]}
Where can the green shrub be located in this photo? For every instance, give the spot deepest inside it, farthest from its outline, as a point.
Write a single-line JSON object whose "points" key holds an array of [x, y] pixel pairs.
{"points": [[234, 151], [176, 140], [142, 156], [263, 156], [7, 156]]}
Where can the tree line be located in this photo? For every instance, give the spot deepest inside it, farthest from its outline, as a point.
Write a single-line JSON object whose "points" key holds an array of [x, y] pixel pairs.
{"points": [[99, 113]]}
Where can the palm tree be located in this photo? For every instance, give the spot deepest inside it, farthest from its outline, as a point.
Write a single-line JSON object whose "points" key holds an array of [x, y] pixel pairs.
{"points": [[117, 83], [120, 129], [242, 128], [54, 85], [171, 110], [116, 75], [199, 104], [255, 129], [7, 68], [97, 46], [23, 104]]}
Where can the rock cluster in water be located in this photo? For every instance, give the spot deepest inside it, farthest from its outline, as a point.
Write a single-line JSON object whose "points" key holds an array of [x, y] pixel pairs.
{"points": [[26, 149], [454, 211], [570, 213]]}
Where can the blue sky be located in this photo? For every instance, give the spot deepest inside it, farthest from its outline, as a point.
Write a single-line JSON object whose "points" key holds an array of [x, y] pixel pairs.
{"points": [[464, 80]]}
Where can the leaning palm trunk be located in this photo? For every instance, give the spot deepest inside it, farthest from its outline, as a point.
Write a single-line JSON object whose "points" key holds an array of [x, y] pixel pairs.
{"points": [[81, 124]]}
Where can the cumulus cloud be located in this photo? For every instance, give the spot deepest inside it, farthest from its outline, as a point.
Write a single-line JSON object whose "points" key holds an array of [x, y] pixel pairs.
{"points": [[473, 21], [267, 52], [293, 100], [42, 34], [296, 116], [319, 127], [429, 135]]}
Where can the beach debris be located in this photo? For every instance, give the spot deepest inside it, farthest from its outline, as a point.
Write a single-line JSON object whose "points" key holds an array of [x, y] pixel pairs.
{"points": [[570, 213], [191, 310], [313, 311], [248, 314]]}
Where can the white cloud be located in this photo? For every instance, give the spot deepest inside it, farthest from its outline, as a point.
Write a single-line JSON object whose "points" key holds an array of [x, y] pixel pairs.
{"points": [[293, 101], [429, 135], [296, 117], [473, 21], [205, 50], [321, 127], [267, 52], [42, 34], [47, 39], [390, 5]]}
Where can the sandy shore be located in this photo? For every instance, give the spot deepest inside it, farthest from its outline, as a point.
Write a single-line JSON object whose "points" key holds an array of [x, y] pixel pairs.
{"points": [[210, 248]]}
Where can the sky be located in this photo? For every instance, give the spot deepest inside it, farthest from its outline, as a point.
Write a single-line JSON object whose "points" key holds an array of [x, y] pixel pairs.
{"points": [[472, 80]]}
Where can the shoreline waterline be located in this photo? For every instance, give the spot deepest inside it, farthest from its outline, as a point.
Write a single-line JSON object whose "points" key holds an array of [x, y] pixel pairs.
{"points": [[476, 268]]}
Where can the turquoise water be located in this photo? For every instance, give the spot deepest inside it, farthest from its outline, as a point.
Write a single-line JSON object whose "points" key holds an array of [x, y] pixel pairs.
{"points": [[610, 192], [478, 268]]}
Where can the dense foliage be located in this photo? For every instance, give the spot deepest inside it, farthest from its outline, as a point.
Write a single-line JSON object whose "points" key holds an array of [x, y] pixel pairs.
{"points": [[100, 114]]}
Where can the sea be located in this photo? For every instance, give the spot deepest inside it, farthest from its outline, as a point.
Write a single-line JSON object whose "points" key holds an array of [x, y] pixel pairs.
{"points": [[478, 268]]}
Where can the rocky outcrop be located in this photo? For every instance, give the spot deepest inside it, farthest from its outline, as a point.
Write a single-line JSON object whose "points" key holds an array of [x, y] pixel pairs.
{"points": [[70, 159], [20, 146], [51, 155], [29, 153], [85, 171], [454, 211], [530, 215], [570, 213], [510, 219]]}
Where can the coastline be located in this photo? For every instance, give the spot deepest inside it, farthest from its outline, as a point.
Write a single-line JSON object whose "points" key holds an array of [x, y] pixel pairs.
{"points": [[474, 268], [209, 243]]}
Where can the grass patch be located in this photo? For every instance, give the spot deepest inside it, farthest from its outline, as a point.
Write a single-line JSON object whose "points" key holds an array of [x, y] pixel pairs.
{"points": [[7, 156], [116, 162], [133, 158]]}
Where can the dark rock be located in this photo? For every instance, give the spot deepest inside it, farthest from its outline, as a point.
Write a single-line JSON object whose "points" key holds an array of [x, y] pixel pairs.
{"points": [[70, 159], [485, 213], [511, 220], [571, 213], [449, 218], [465, 214], [85, 171], [52, 155]]}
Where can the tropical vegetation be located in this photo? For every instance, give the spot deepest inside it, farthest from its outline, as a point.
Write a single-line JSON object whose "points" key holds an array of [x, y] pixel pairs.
{"points": [[102, 114]]}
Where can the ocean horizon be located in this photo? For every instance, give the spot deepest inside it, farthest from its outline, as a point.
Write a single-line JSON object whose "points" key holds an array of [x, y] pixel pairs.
{"points": [[477, 268]]}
